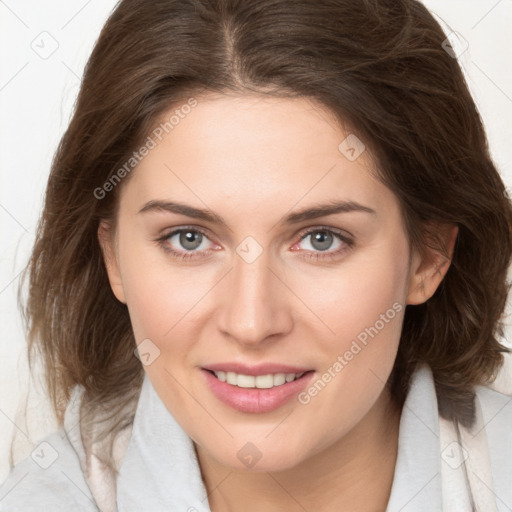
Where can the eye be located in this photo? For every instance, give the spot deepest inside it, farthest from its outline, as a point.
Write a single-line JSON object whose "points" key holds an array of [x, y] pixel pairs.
{"points": [[186, 243], [321, 240], [188, 239]]}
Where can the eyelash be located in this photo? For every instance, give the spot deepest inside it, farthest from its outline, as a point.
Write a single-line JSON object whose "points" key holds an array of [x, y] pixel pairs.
{"points": [[318, 255]]}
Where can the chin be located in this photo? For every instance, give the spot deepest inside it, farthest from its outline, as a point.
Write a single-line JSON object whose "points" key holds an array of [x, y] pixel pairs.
{"points": [[260, 456]]}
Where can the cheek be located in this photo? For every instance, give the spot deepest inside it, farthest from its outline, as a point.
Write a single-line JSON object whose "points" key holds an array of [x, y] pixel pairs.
{"points": [[351, 299], [158, 296]]}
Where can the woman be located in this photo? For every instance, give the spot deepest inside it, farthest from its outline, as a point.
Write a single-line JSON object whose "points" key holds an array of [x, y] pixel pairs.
{"points": [[271, 269]]}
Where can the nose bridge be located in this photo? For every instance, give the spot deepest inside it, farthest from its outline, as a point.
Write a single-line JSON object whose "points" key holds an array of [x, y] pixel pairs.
{"points": [[255, 306]]}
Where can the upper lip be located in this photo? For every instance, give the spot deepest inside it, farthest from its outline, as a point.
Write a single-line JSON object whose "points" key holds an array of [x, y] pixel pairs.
{"points": [[257, 369]]}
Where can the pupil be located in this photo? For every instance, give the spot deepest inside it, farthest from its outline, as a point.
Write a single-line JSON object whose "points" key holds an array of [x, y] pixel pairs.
{"points": [[324, 240]]}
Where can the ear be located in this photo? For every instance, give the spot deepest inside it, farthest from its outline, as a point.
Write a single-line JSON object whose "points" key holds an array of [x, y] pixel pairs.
{"points": [[107, 243], [429, 267]]}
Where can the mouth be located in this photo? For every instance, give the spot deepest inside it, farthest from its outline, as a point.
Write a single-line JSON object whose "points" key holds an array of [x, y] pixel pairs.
{"points": [[256, 390]]}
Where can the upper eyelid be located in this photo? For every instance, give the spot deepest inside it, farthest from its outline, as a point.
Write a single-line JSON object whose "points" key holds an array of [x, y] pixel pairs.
{"points": [[336, 231], [175, 231]]}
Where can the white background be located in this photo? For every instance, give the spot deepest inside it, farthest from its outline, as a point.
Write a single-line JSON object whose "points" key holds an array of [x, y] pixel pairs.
{"points": [[36, 98]]}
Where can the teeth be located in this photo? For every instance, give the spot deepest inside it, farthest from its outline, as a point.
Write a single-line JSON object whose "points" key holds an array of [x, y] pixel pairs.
{"points": [[261, 381]]}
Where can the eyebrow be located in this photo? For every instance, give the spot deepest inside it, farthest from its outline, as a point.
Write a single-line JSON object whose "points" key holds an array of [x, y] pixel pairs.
{"points": [[312, 212]]}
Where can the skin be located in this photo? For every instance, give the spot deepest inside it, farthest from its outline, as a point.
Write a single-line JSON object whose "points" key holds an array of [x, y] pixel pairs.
{"points": [[253, 160]]}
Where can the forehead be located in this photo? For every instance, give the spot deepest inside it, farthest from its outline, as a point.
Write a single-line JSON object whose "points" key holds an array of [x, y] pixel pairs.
{"points": [[254, 152]]}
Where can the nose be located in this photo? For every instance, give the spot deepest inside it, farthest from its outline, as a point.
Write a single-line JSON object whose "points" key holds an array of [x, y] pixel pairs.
{"points": [[255, 306]]}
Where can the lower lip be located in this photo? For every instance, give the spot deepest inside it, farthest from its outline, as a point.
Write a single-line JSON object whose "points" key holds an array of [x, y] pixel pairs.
{"points": [[255, 400]]}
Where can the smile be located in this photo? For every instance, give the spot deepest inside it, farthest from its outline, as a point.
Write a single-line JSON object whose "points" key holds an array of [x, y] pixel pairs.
{"points": [[259, 393]]}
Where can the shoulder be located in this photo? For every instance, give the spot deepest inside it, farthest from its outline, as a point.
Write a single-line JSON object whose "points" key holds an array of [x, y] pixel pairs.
{"points": [[497, 421], [50, 479], [496, 410]]}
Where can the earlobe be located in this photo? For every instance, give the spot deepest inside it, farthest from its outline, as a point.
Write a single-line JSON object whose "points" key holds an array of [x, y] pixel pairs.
{"points": [[106, 240], [429, 268]]}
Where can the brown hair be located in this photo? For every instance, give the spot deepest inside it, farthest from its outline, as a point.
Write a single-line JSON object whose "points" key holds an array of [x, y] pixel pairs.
{"points": [[380, 67]]}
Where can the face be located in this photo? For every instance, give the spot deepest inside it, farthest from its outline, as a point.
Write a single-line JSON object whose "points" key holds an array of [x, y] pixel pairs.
{"points": [[250, 281]]}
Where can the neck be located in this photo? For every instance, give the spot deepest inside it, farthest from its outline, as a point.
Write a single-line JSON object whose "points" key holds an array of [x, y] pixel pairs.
{"points": [[355, 473]]}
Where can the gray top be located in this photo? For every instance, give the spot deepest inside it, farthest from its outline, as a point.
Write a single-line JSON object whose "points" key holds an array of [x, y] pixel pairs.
{"points": [[160, 471]]}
